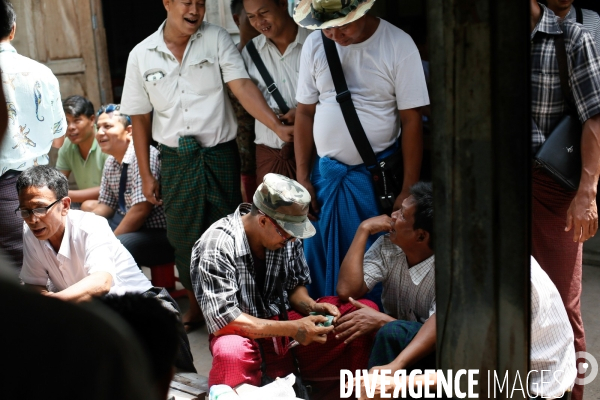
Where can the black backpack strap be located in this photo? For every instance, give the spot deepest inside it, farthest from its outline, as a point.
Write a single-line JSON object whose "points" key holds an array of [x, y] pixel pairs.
{"points": [[262, 69], [344, 98], [563, 70]]}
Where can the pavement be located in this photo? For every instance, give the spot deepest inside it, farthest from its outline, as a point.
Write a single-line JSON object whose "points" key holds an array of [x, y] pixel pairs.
{"points": [[590, 304]]}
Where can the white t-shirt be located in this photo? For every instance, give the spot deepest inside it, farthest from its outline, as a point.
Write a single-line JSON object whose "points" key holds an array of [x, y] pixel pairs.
{"points": [[188, 99], [384, 74], [88, 246]]}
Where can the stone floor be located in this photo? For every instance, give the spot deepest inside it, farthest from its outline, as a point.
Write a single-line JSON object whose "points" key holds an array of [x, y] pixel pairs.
{"points": [[590, 303]]}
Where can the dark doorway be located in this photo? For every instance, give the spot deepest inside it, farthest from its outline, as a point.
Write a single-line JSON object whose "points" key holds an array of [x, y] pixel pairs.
{"points": [[127, 23]]}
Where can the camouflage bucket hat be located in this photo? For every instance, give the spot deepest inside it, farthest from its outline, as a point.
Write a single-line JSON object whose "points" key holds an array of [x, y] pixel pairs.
{"points": [[286, 201], [323, 14]]}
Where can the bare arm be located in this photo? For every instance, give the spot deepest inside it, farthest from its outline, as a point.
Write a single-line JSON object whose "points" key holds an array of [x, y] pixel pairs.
{"points": [[79, 196], [351, 279], [253, 101], [103, 210], [303, 330], [412, 151], [304, 304], [58, 142], [142, 134], [304, 146], [38, 288], [135, 218], [582, 215], [93, 285]]}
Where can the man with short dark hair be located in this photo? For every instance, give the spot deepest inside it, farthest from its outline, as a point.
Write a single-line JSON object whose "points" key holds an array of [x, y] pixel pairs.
{"points": [[248, 271], [79, 153], [384, 75], [403, 261], [35, 120], [279, 47], [76, 251]]}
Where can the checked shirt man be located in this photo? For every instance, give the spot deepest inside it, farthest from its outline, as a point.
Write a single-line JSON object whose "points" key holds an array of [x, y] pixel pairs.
{"points": [[236, 266]]}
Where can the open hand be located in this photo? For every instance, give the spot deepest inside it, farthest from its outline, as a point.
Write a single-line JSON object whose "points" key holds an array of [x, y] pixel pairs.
{"points": [[360, 322], [582, 217], [308, 331]]}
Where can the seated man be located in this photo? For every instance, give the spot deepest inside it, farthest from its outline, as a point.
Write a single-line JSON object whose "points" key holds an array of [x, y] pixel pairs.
{"points": [[551, 351], [403, 261], [76, 250], [239, 267], [137, 223], [79, 153]]}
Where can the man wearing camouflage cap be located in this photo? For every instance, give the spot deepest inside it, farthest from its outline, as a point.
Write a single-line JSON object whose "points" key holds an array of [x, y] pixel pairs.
{"points": [[237, 267]]}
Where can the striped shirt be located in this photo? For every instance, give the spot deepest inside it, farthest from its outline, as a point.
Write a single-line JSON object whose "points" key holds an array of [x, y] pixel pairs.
{"points": [[224, 275], [408, 292], [552, 349], [548, 104], [283, 68], [591, 22], [111, 178]]}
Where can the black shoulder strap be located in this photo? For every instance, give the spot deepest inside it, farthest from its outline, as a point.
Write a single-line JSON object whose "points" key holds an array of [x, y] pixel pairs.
{"points": [[563, 70], [262, 69], [344, 98], [578, 14]]}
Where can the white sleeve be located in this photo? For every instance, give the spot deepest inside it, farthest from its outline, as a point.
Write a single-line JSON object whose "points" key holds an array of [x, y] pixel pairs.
{"points": [[230, 60], [135, 100], [307, 92], [410, 84]]}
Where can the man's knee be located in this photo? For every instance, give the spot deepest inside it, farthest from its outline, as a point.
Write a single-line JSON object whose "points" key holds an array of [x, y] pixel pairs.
{"points": [[236, 360]]}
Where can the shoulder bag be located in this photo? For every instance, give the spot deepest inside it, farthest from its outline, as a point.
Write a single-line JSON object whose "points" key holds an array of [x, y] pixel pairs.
{"points": [[388, 174]]}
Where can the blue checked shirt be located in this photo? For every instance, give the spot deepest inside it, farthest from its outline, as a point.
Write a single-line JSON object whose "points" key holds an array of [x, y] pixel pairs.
{"points": [[223, 273], [548, 104]]}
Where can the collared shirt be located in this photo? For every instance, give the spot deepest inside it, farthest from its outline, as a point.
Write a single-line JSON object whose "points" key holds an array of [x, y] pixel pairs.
{"points": [[408, 292], [224, 276], [548, 104], [188, 99], [283, 68], [552, 349], [88, 172], [111, 180], [35, 113], [88, 246], [591, 22]]}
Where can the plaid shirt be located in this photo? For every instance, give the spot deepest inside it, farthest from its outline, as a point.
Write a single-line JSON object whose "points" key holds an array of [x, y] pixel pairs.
{"points": [[111, 177], [548, 104], [223, 275]]}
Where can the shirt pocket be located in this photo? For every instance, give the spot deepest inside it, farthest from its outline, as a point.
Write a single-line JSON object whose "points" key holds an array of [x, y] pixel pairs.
{"points": [[204, 76], [161, 91]]}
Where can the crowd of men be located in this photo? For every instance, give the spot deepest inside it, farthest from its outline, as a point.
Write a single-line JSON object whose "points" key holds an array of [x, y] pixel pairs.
{"points": [[238, 164]]}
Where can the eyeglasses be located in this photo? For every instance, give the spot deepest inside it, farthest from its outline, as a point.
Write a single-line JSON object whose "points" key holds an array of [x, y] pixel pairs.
{"points": [[38, 212], [285, 240], [112, 108]]}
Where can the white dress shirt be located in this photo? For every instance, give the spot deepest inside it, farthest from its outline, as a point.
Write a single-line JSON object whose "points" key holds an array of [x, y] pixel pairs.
{"points": [[283, 68], [88, 246], [188, 99], [35, 112], [552, 349]]}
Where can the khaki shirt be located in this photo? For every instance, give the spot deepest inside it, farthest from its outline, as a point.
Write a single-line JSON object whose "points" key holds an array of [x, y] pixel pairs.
{"points": [[188, 99]]}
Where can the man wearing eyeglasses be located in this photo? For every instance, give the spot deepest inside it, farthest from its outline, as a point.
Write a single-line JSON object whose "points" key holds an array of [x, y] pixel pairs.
{"points": [[137, 223], [242, 266], [77, 250]]}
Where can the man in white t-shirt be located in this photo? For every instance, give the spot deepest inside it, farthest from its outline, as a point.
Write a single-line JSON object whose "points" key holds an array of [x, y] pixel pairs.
{"points": [[77, 251], [384, 74]]}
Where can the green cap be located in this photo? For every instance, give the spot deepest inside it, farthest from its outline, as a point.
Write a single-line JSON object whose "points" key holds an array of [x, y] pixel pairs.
{"points": [[286, 201]]}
